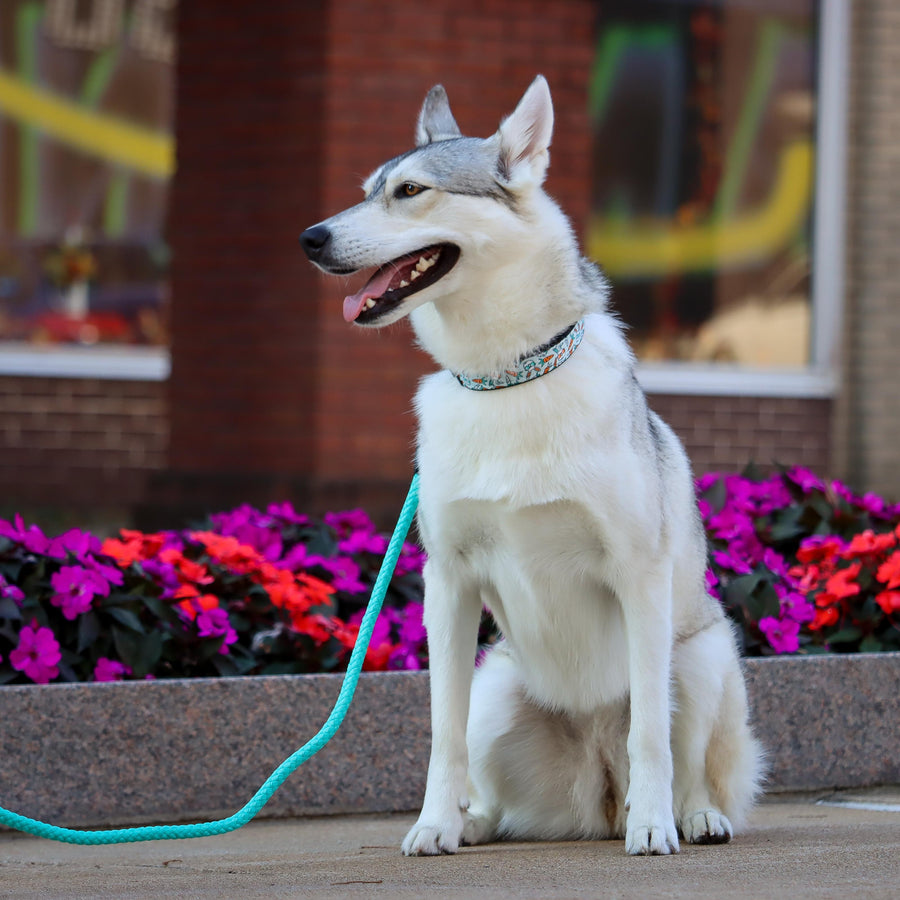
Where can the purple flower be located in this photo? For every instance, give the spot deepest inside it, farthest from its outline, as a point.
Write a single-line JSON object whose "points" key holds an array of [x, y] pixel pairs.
{"points": [[344, 573], [795, 606], [404, 659], [76, 588], [10, 590], [215, 623], [705, 482], [774, 562], [31, 538], [412, 629], [285, 512], [411, 559], [75, 541], [110, 670], [727, 560], [37, 654], [712, 583], [782, 634], [356, 532], [805, 480], [165, 575]]}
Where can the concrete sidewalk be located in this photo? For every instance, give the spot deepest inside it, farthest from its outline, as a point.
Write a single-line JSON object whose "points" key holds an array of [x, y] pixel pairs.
{"points": [[794, 847]]}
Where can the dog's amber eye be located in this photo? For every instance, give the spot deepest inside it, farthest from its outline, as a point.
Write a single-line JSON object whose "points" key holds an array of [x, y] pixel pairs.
{"points": [[409, 189]]}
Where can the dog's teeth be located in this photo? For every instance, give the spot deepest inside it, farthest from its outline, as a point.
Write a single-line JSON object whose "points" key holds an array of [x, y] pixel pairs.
{"points": [[414, 274], [423, 265], [404, 283], [370, 303]]}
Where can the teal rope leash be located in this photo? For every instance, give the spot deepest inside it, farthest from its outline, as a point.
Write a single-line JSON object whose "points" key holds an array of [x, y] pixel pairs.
{"points": [[293, 762]]}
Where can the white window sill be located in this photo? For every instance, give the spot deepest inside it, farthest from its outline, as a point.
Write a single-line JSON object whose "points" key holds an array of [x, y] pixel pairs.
{"points": [[725, 381], [124, 363]]}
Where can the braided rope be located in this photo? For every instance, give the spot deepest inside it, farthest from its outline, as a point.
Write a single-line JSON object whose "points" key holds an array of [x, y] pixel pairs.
{"points": [[293, 762]]}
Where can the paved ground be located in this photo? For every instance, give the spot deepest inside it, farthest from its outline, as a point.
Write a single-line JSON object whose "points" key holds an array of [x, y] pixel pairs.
{"points": [[794, 847]]}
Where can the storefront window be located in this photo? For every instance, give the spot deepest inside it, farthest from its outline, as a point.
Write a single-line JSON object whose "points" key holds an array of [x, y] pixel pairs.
{"points": [[86, 154], [704, 117]]}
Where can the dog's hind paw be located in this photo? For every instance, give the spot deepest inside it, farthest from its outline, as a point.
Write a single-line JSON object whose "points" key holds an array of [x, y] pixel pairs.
{"points": [[706, 826], [651, 840], [478, 829], [431, 840]]}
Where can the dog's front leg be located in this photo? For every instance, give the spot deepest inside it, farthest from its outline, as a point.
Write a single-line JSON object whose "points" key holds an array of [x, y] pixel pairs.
{"points": [[650, 826], [451, 619]]}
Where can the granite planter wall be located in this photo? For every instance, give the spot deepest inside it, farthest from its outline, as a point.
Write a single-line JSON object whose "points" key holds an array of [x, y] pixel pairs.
{"points": [[170, 751]]}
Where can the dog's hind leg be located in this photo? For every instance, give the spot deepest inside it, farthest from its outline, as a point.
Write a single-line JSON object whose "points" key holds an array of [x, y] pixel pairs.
{"points": [[715, 757], [536, 774]]}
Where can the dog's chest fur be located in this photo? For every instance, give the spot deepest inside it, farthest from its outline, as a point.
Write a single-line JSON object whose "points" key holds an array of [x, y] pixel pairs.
{"points": [[531, 494]]}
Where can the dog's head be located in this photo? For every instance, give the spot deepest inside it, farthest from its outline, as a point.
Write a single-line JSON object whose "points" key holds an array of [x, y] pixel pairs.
{"points": [[436, 205]]}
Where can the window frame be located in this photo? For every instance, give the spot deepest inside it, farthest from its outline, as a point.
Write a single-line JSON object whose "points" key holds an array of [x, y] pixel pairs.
{"points": [[820, 377]]}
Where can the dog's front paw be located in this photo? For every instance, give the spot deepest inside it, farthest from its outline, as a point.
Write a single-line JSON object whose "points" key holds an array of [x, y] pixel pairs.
{"points": [[433, 839], [706, 826], [651, 840]]}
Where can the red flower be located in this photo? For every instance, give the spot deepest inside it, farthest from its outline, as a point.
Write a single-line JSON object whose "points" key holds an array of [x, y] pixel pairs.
{"points": [[889, 571], [824, 617], [889, 601], [840, 585], [868, 544]]}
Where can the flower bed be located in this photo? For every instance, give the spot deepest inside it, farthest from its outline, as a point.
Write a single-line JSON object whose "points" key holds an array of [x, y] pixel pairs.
{"points": [[802, 565]]}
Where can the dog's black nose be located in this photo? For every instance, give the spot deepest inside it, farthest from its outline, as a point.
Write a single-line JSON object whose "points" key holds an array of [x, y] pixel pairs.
{"points": [[314, 240]]}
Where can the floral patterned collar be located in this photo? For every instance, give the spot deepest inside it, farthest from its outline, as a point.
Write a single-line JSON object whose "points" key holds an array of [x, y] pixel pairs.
{"points": [[539, 362]]}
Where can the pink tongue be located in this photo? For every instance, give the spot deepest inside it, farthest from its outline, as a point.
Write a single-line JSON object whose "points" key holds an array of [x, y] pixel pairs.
{"points": [[373, 289]]}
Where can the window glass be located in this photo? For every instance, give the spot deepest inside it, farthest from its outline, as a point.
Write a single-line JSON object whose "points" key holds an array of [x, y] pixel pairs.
{"points": [[85, 160], [703, 121]]}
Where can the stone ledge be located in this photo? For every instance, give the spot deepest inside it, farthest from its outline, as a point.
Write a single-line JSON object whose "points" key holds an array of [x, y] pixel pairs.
{"points": [[170, 751]]}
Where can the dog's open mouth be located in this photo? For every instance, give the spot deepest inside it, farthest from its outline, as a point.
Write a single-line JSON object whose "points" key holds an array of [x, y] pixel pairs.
{"points": [[395, 281]]}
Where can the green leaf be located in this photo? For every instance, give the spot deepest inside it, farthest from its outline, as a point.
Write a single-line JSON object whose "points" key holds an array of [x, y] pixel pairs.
{"points": [[739, 590], [845, 635], [163, 610], [870, 644], [126, 617], [9, 609], [139, 653], [88, 630], [763, 602]]}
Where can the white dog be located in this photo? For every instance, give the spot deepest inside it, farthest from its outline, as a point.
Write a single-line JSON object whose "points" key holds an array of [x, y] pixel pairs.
{"points": [[615, 705]]}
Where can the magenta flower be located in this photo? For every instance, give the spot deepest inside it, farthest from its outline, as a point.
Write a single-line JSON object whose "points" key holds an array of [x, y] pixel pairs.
{"points": [[285, 512], [110, 670], [782, 634], [728, 560], [356, 532], [411, 559], [37, 654], [215, 623], [76, 588], [31, 538], [412, 629], [344, 573], [11, 591], [805, 480]]}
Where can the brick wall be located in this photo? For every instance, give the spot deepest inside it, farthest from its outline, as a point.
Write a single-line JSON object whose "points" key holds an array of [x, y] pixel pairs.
{"points": [[867, 434], [726, 433], [85, 443]]}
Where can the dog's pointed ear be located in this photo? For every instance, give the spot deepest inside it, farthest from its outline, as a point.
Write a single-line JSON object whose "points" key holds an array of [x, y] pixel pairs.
{"points": [[525, 134], [436, 122]]}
